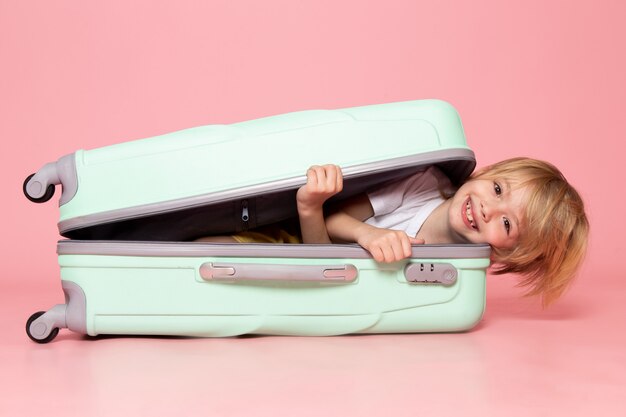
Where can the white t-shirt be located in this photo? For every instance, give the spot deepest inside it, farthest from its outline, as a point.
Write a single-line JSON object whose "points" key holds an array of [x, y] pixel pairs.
{"points": [[406, 204]]}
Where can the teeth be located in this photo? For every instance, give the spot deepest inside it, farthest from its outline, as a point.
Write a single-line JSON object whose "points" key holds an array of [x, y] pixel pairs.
{"points": [[468, 213]]}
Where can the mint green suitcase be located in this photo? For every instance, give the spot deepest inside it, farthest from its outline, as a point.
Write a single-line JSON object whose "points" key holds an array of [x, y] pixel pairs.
{"points": [[130, 211]]}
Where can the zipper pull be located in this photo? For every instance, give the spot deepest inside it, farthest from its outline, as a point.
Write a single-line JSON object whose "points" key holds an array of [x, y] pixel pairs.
{"points": [[244, 211]]}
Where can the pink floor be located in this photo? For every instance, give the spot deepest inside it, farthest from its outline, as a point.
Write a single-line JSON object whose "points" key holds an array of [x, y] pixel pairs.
{"points": [[565, 361]]}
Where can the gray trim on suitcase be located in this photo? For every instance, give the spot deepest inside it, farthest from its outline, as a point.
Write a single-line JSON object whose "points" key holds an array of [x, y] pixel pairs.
{"points": [[257, 250], [71, 315], [76, 311], [396, 164], [63, 172]]}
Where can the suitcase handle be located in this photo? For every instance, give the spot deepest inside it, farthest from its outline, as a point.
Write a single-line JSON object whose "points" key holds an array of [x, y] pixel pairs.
{"points": [[213, 271]]}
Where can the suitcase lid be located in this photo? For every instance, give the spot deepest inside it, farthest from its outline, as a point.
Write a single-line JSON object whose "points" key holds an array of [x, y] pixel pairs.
{"points": [[226, 178]]}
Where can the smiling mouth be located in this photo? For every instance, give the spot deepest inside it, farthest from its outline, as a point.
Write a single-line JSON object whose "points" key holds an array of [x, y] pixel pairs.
{"points": [[469, 215]]}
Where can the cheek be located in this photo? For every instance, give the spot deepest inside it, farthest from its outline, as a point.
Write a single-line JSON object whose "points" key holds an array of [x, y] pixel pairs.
{"points": [[498, 238], [454, 213]]}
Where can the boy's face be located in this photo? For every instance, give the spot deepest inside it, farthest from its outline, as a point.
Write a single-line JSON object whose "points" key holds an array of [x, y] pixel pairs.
{"points": [[488, 211]]}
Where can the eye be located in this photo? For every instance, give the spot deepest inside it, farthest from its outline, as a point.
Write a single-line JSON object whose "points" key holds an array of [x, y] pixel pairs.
{"points": [[507, 225], [497, 188]]}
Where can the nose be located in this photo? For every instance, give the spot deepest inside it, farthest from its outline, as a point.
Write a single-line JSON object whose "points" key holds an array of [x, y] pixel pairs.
{"points": [[491, 208], [486, 210]]}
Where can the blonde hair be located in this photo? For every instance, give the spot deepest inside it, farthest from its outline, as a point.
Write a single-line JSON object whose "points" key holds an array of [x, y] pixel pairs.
{"points": [[553, 241]]}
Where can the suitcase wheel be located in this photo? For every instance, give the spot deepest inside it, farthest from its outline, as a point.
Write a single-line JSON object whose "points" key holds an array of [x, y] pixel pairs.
{"points": [[34, 337], [47, 195]]}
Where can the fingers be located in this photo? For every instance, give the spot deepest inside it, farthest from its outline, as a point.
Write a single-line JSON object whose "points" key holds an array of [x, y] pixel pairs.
{"points": [[338, 178], [397, 248], [311, 176], [325, 179], [390, 245], [387, 253]]}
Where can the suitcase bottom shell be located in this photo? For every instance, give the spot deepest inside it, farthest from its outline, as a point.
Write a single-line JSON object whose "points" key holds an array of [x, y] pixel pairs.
{"points": [[217, 290]]}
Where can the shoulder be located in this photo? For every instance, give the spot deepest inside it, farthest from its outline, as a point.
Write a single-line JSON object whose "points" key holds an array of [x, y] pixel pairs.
{"points": [[426, 178], [437, 178], [430, 177], [436, 174]]}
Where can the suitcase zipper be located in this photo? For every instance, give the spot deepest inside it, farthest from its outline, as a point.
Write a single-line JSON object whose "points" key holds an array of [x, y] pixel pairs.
{"points": [[245, 216]]}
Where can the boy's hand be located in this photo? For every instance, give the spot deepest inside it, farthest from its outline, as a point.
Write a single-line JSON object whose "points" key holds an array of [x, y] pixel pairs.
{"points": [[387, 245], [322, 183]]}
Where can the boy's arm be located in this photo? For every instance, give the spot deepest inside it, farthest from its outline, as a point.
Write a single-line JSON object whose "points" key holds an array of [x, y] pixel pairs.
{"points": [[347, 225], [322, 183]]}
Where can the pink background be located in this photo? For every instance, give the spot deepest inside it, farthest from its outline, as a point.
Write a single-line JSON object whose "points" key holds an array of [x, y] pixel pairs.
{"points": [[537, 78]]}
